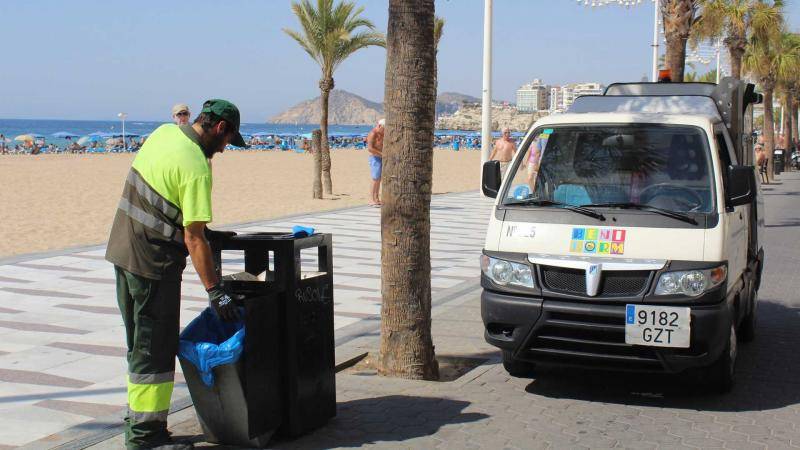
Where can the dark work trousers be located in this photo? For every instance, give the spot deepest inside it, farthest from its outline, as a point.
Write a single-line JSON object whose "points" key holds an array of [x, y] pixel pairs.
{"points": [[150, 309]]}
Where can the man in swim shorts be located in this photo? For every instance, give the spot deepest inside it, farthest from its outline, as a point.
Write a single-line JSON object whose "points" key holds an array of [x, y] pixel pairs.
{"points": [[375, 149], [504, 150]]}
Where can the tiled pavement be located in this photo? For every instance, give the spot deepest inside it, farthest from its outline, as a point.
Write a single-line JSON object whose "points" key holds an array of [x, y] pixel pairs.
{"points": [[576, 409], [61, 339]]}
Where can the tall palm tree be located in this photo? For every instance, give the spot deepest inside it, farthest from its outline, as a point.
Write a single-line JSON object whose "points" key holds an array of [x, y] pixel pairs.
{"points": [[788, 87], [678, 17], [736, 21], [410, 100], [330, 33], [769, 59]]}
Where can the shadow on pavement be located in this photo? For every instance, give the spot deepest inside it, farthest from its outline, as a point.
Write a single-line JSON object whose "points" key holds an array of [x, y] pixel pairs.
{"points": [[793, 223], [393, 418], [767, 375]]}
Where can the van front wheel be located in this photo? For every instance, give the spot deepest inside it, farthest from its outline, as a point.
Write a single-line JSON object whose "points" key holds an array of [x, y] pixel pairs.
{"points": [[515, 367], [747, 330], [720, 375]]}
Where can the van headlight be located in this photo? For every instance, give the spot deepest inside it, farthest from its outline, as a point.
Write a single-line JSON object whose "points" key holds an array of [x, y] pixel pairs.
{"points": [[507, 273], [691, 282]]}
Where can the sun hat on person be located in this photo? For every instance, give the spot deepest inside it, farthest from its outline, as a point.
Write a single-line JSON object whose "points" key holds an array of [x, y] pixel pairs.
{"points": [[228, 112], [180, 107]]}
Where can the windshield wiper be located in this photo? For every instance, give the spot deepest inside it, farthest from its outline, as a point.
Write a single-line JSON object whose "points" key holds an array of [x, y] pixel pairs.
{"points": [[577, 209], [630, 205]]}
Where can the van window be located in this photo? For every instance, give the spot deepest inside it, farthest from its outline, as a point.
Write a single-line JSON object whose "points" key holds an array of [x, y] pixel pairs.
{"points": [[663, 166]]}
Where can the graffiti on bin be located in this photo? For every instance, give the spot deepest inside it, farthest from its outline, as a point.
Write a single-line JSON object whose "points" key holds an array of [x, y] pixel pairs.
{"points": [[313, 294]]}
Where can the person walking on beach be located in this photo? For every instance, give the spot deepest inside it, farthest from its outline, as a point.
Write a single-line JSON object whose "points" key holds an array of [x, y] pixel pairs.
{"points": [[504, 151], [161, 218], [181, 114], [375, 149]]}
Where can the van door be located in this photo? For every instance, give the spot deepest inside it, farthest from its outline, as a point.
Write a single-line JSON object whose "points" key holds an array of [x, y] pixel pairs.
{"points": [[736, 219]]}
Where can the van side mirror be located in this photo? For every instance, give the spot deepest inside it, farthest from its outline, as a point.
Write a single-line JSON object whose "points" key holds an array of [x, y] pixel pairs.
{"points": [[741, 185], [490, 179]]}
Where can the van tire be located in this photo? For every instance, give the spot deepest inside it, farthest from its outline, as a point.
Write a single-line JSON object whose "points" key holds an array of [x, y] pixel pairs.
{"points": [[747, 330], [515, 367], [719, 376]]}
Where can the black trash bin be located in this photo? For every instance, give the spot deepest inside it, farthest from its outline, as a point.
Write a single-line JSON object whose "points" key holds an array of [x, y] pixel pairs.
{"points": [[289, 341], [244, 405], [778, 160]]}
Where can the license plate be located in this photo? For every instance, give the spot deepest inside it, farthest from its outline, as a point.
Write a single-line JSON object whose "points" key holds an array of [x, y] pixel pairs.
{"points": [[657, 326]]}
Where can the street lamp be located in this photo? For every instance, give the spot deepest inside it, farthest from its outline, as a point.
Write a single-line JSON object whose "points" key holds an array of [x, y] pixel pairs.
{"points": [[486, 105], [122, 116]]}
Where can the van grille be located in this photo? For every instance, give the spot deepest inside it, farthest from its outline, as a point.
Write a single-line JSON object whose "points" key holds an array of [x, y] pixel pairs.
{"points": [[569, 336], [612, 283]]}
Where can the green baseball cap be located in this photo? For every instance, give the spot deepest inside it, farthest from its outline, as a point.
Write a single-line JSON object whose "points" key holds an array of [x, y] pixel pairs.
{"points": [[229, 113]]}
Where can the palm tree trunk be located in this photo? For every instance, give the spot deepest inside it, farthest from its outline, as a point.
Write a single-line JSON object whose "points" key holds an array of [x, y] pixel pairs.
{"points": [[316, 144], [793, 110], [736, 48], [787, 124], [410, 98], [769, 128], [678, 16], [325, 87]]}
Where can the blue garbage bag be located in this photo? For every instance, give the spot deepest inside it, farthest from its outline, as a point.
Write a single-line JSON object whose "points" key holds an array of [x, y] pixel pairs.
{"points": [[300, 231], [208, 342]]}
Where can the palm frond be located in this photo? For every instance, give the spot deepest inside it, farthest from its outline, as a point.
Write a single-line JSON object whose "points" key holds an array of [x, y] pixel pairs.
{"points": [[330, 32]]}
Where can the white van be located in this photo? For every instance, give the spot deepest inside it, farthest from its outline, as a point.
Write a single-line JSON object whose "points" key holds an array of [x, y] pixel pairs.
{"points": [[625, 234]]}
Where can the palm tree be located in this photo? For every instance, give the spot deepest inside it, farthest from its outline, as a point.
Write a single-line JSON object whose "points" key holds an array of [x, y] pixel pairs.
{"points": [[788, 87], [410, 100], [329, 34], [769, 59], [678, 16], [736, 21]]}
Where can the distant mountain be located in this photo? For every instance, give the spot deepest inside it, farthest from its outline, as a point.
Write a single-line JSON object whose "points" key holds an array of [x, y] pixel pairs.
{"points": [[346, 108]]}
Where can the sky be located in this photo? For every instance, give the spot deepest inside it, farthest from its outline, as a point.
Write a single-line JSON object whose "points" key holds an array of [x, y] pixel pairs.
{"points": [[91, 59]]}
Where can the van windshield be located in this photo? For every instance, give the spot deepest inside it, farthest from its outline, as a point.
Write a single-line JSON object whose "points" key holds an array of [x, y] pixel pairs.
{"points": [[665, 167]]}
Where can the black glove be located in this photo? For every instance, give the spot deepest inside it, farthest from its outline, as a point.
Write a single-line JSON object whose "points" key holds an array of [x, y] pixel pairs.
{"points": [[218, 236], [223, 302]]}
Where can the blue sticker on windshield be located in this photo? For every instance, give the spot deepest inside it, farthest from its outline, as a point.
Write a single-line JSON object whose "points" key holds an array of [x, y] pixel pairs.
{"points": [[547, 131]]}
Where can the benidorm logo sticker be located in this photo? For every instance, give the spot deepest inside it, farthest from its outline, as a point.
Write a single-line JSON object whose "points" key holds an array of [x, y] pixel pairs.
{"points": [[598, 241]]}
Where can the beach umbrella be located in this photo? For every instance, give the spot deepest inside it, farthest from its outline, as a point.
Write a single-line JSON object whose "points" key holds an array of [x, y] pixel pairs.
{"points": [[90, 138], [65, 135], [25, 137]]}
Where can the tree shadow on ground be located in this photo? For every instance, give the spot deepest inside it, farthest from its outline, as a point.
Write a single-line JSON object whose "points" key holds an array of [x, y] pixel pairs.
{"points": [[791, 193], [789, 224], [393, 418], [766, 375]]}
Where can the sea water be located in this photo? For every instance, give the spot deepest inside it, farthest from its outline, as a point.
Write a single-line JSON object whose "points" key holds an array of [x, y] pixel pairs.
{"points": [[11, 128]]}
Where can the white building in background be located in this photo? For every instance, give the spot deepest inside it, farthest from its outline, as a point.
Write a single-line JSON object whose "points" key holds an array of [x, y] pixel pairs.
{"points": [[533, 97], [562, 97]]}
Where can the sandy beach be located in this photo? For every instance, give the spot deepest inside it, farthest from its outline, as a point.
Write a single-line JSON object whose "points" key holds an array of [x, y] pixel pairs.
{"points": [[50, 202]]}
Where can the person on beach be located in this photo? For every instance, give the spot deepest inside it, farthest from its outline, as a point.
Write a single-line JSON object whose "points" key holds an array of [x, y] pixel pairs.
{"points": [[504, 151], [375, 149], [761, 162], [161, 218], [181, 114]]}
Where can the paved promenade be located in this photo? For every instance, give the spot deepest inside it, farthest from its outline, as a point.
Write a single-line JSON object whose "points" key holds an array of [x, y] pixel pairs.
{"points": [[62, 365], [486, 408], [575, 409]]}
